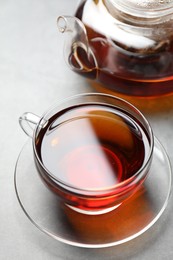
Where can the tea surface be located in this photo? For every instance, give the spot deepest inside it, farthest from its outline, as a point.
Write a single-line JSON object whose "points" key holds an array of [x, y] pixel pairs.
{"points": [[92, 146]]}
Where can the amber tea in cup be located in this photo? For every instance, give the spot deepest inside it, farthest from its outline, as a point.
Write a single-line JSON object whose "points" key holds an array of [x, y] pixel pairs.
{"points": [[92, 150]]}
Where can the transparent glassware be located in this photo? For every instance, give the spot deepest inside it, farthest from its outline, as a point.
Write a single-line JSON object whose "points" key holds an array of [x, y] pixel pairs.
{"points": [[134, 217], [57, 218], [99, 136], [126, 46]]}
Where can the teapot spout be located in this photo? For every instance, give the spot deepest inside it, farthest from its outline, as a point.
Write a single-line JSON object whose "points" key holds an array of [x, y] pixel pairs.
{"points": [[77, 51]]}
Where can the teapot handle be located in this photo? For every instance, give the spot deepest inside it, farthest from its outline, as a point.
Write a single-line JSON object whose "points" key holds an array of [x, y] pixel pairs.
{"points": [[77, 51]]}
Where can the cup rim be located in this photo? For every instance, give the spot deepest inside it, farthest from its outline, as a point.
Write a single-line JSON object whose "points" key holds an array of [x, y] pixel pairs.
{"points": [[130, 181]]}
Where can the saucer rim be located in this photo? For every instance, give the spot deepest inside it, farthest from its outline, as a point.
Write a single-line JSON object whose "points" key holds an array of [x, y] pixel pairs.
{"points": [[101, 245]]}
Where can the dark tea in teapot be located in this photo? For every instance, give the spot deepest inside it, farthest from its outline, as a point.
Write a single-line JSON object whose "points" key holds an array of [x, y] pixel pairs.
{"points": [[131, 46], [121, 66]]}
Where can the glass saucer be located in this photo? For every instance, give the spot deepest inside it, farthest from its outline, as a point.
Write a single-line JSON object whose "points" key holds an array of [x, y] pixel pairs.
{"points": [[123, 224]]}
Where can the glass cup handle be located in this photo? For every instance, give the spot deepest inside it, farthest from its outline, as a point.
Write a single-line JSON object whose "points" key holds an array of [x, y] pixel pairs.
{"points": [[28, 121]]}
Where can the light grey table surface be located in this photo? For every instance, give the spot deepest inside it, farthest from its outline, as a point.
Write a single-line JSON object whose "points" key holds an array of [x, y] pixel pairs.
{"points": [[33, 75]]}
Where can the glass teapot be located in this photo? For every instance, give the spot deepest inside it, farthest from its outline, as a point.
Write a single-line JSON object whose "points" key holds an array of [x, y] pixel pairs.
{"points": [[127, 46]]}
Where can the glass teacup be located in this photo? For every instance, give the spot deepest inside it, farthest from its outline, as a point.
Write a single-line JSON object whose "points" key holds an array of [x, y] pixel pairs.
{"points": [[93, 150]]}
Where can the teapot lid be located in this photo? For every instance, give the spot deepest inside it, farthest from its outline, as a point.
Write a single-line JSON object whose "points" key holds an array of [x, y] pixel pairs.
{"points": [[144, 8]]}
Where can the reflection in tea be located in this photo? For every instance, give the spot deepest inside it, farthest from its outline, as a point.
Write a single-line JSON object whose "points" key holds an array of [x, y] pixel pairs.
{"points": [[92, 147]]}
